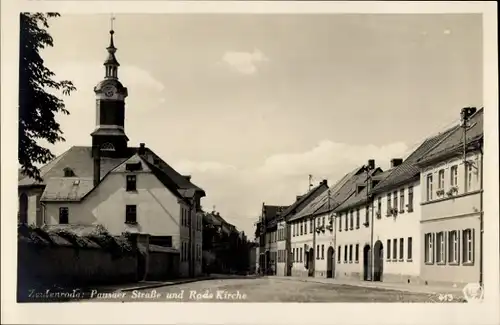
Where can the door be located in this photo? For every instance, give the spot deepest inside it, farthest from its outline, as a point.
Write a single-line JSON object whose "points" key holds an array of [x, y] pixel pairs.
{"points": [[311, 262], [367, 263], [378, 259], [330, 262]]}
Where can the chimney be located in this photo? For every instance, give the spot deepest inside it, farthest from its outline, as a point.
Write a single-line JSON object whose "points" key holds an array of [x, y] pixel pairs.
{"points": [[187, 177], [142, 149], [297, 197], [371, 164], [395, 162], [324, 182], [96, 155]]}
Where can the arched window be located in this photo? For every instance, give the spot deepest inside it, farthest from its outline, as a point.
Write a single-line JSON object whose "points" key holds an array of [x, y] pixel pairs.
{"points": [[23, 208], [107, 147], [68, 172]]}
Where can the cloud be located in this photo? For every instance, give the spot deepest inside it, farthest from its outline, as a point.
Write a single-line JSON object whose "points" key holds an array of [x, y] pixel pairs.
{"points": [[239, 192], [447, 32], [244, 62]]}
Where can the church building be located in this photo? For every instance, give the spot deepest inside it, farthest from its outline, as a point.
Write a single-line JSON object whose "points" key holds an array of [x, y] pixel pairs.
{"points": [[124, 188]]}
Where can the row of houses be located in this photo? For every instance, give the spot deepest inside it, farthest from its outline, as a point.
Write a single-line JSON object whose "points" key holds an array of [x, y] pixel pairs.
{"points": [[420, 221]]}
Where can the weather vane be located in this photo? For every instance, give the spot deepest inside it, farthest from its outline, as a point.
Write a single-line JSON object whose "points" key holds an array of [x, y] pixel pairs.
{"points": [[112, 19]]}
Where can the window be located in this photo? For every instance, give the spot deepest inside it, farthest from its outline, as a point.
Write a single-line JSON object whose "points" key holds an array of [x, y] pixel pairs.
{"points": [[345, 254], [395, 200], [402, 200], [468, 246], [357, 218], [300, 250], [453, 246], [357, 253], [293, 229], [429, 187], [388, 249], [63, 215], [346, 221], [323, 221], [410, 198], [339, 254], [469, 175], [379, 206], [131, 214], [350, 253], [305, 226], [322, 252], [301, 228], [367, 215], [389, 205], [68, 172], [340, 221], [441, 179], [409, 254], [133, 166], [293, 254], [131, 183], [311, 226], [394, 249], [454, 175], [429, 248], [352, 220], [401, 249], [440, 247], [317, 252]]}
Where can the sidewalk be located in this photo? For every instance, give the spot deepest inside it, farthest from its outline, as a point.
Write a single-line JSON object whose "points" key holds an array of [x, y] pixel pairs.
{"points": [[413, 288]]}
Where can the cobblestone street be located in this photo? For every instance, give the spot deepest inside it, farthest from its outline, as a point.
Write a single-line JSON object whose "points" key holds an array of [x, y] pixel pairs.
{"points": [[267, 290]]}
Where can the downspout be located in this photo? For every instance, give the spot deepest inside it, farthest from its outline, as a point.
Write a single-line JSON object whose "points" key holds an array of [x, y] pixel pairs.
{"points": [[372, 255]]}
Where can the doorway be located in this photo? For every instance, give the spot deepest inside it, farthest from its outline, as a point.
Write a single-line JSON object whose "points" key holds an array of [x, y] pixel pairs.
{"points": [[378, 259], [23, 208], [311, 262], [367, 263], [330, 262]]}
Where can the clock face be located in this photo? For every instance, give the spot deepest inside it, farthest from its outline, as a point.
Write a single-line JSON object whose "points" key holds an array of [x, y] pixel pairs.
{"points": [[109, 91]]}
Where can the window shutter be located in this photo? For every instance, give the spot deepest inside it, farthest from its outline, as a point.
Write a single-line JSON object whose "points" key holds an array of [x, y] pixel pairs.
{"points": [[473, 246], [433, 253]]}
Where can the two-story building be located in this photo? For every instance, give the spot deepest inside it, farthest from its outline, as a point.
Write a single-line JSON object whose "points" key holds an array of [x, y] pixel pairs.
{"points": [[268, 242], [452, 206], [125, 189], [299, 231], [353, 229]]}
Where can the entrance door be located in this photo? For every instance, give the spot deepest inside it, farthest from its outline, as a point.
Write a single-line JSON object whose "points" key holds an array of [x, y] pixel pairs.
{"points": [[311, 262], [330, 262], [141, 266], [378, 260], [367, 263], [23, 208]]}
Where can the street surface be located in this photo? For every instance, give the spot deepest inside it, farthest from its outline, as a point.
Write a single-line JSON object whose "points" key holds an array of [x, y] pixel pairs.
{"points": [[265, 290]]}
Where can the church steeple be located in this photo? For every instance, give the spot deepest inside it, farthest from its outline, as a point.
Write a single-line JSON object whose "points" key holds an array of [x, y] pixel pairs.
{"points": [[109, 136], [111, 62]]}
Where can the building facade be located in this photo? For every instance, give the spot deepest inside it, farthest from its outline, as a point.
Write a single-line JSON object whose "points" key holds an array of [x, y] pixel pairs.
{"points": [[452, 207], [125, 189]]}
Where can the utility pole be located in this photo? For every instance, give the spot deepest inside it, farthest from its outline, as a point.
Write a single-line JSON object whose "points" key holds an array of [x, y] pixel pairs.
{"points": [[465, 115], [368, 169]]}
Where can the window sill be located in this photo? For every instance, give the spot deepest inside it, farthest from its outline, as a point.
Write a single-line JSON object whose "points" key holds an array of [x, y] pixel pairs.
{"points": [[357, 262], [410, 211], [429, 263], [468, 264], [409, 260], [357, 227], [441, 263], [394, 260], [350, 262], [389, 260], [401, 211], [401, 259], [132, 223], [132, 191], [453, 263]]}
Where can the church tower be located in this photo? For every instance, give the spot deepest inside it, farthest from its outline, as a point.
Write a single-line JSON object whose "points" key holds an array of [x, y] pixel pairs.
{"points": [[109, 137]]}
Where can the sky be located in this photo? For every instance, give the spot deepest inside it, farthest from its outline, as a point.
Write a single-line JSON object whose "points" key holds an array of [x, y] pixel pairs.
{"points": [[250, 105]]}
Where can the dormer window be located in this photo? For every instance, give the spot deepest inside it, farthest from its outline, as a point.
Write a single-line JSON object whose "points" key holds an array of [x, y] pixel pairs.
{"points": [[133, 166], [107, 147], [68, 172]]}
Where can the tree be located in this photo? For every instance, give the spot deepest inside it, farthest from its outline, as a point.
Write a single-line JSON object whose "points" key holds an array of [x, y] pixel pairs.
{"points": [[37, 107]]}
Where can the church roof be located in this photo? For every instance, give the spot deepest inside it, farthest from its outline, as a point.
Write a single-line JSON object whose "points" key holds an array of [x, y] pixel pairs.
{"points": [[79, 160]]}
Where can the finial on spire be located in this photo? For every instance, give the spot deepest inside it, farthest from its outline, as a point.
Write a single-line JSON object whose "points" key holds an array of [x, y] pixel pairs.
{"points": [[111, 63], [112, 19]]}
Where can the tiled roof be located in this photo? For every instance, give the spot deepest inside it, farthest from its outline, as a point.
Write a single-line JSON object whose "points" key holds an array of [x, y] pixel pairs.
{"points": [[79, 159], [315, 192], [321, 202], [408, 168], [272, 212], [349, 191], [455, 139]]}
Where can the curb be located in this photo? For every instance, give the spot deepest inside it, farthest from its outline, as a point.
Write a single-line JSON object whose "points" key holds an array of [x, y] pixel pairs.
{"points": [[409, 290], [163, 284]]}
